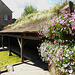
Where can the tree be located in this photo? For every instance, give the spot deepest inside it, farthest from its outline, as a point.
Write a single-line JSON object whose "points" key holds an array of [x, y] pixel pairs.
{"points": [[28, 10]]}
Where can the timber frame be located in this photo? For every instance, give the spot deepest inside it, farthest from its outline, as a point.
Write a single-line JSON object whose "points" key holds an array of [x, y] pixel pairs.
{"points": [[20, 38]]}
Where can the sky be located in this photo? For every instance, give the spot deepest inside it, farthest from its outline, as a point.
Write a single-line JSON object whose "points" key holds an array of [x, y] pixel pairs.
{"points": [[17, 6]]}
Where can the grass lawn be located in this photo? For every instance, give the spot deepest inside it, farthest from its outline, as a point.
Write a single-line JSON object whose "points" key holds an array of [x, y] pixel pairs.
{"points": [[6, 60]]}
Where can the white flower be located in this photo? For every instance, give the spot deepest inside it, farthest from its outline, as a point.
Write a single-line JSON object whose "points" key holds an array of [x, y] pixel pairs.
{"points": [[62, 70], [70, 71], [68, 63], [67, 55], [65, 65], [63, 57], [72, 51], [72, 63], [66, 70], [74, 47]]}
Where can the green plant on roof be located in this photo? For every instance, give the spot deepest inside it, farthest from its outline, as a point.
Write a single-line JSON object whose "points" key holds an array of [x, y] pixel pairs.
{"points": [[28, 10], [34, 17]]}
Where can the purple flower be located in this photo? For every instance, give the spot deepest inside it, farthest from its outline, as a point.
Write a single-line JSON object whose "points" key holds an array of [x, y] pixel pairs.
{"points": [[67, 24], [61, 21], [69, 18], [72, 34]]}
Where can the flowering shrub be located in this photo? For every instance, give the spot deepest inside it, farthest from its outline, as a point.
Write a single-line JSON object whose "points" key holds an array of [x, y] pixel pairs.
{"points": [[61, 29], [59, 26], [62, 57]]}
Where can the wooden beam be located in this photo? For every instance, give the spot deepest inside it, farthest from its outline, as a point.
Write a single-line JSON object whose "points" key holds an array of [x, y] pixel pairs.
{"points": [[22, 60], [71, 6], [19, 42], [24, 37], [9, 46], [2, 42]]}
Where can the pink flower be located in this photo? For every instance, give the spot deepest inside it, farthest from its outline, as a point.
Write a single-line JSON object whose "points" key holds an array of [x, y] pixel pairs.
{"points": [[59, 53], [55, 41], [61, 58], [54, 72], [71, 57], [73, 26], [67, 11], [62, 52], [48, 23], [53, 24], [53, 28], [57, 59], [42, 40], [57, 34], [37, 47], [73, 16], [63, 11], [51, 63]]}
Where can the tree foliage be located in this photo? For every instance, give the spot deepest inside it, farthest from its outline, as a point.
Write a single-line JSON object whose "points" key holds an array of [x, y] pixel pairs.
{"points": [[28, 10]]}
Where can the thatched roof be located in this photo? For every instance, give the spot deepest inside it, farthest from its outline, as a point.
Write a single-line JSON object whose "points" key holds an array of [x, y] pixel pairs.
{"points": [[30, 28], [30, 23]]}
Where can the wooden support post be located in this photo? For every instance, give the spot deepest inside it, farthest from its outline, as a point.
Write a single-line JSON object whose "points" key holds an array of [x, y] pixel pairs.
{"points": [[22, 60], [9, 45], [2, 42], [71, 7]]}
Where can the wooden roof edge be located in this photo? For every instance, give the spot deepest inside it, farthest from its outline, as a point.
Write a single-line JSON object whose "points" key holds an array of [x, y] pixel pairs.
{"points": [[19, 32]]}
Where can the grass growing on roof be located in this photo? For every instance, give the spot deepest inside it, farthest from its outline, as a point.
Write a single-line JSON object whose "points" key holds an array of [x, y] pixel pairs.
{"points": [[6, 60], [33, 17]]}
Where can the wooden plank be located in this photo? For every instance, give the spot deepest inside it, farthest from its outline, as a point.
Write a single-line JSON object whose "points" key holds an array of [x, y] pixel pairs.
{"points": [[71, 6], [9, 46], [21, 50], [19, 42], [24, 37], [2, 42]]}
